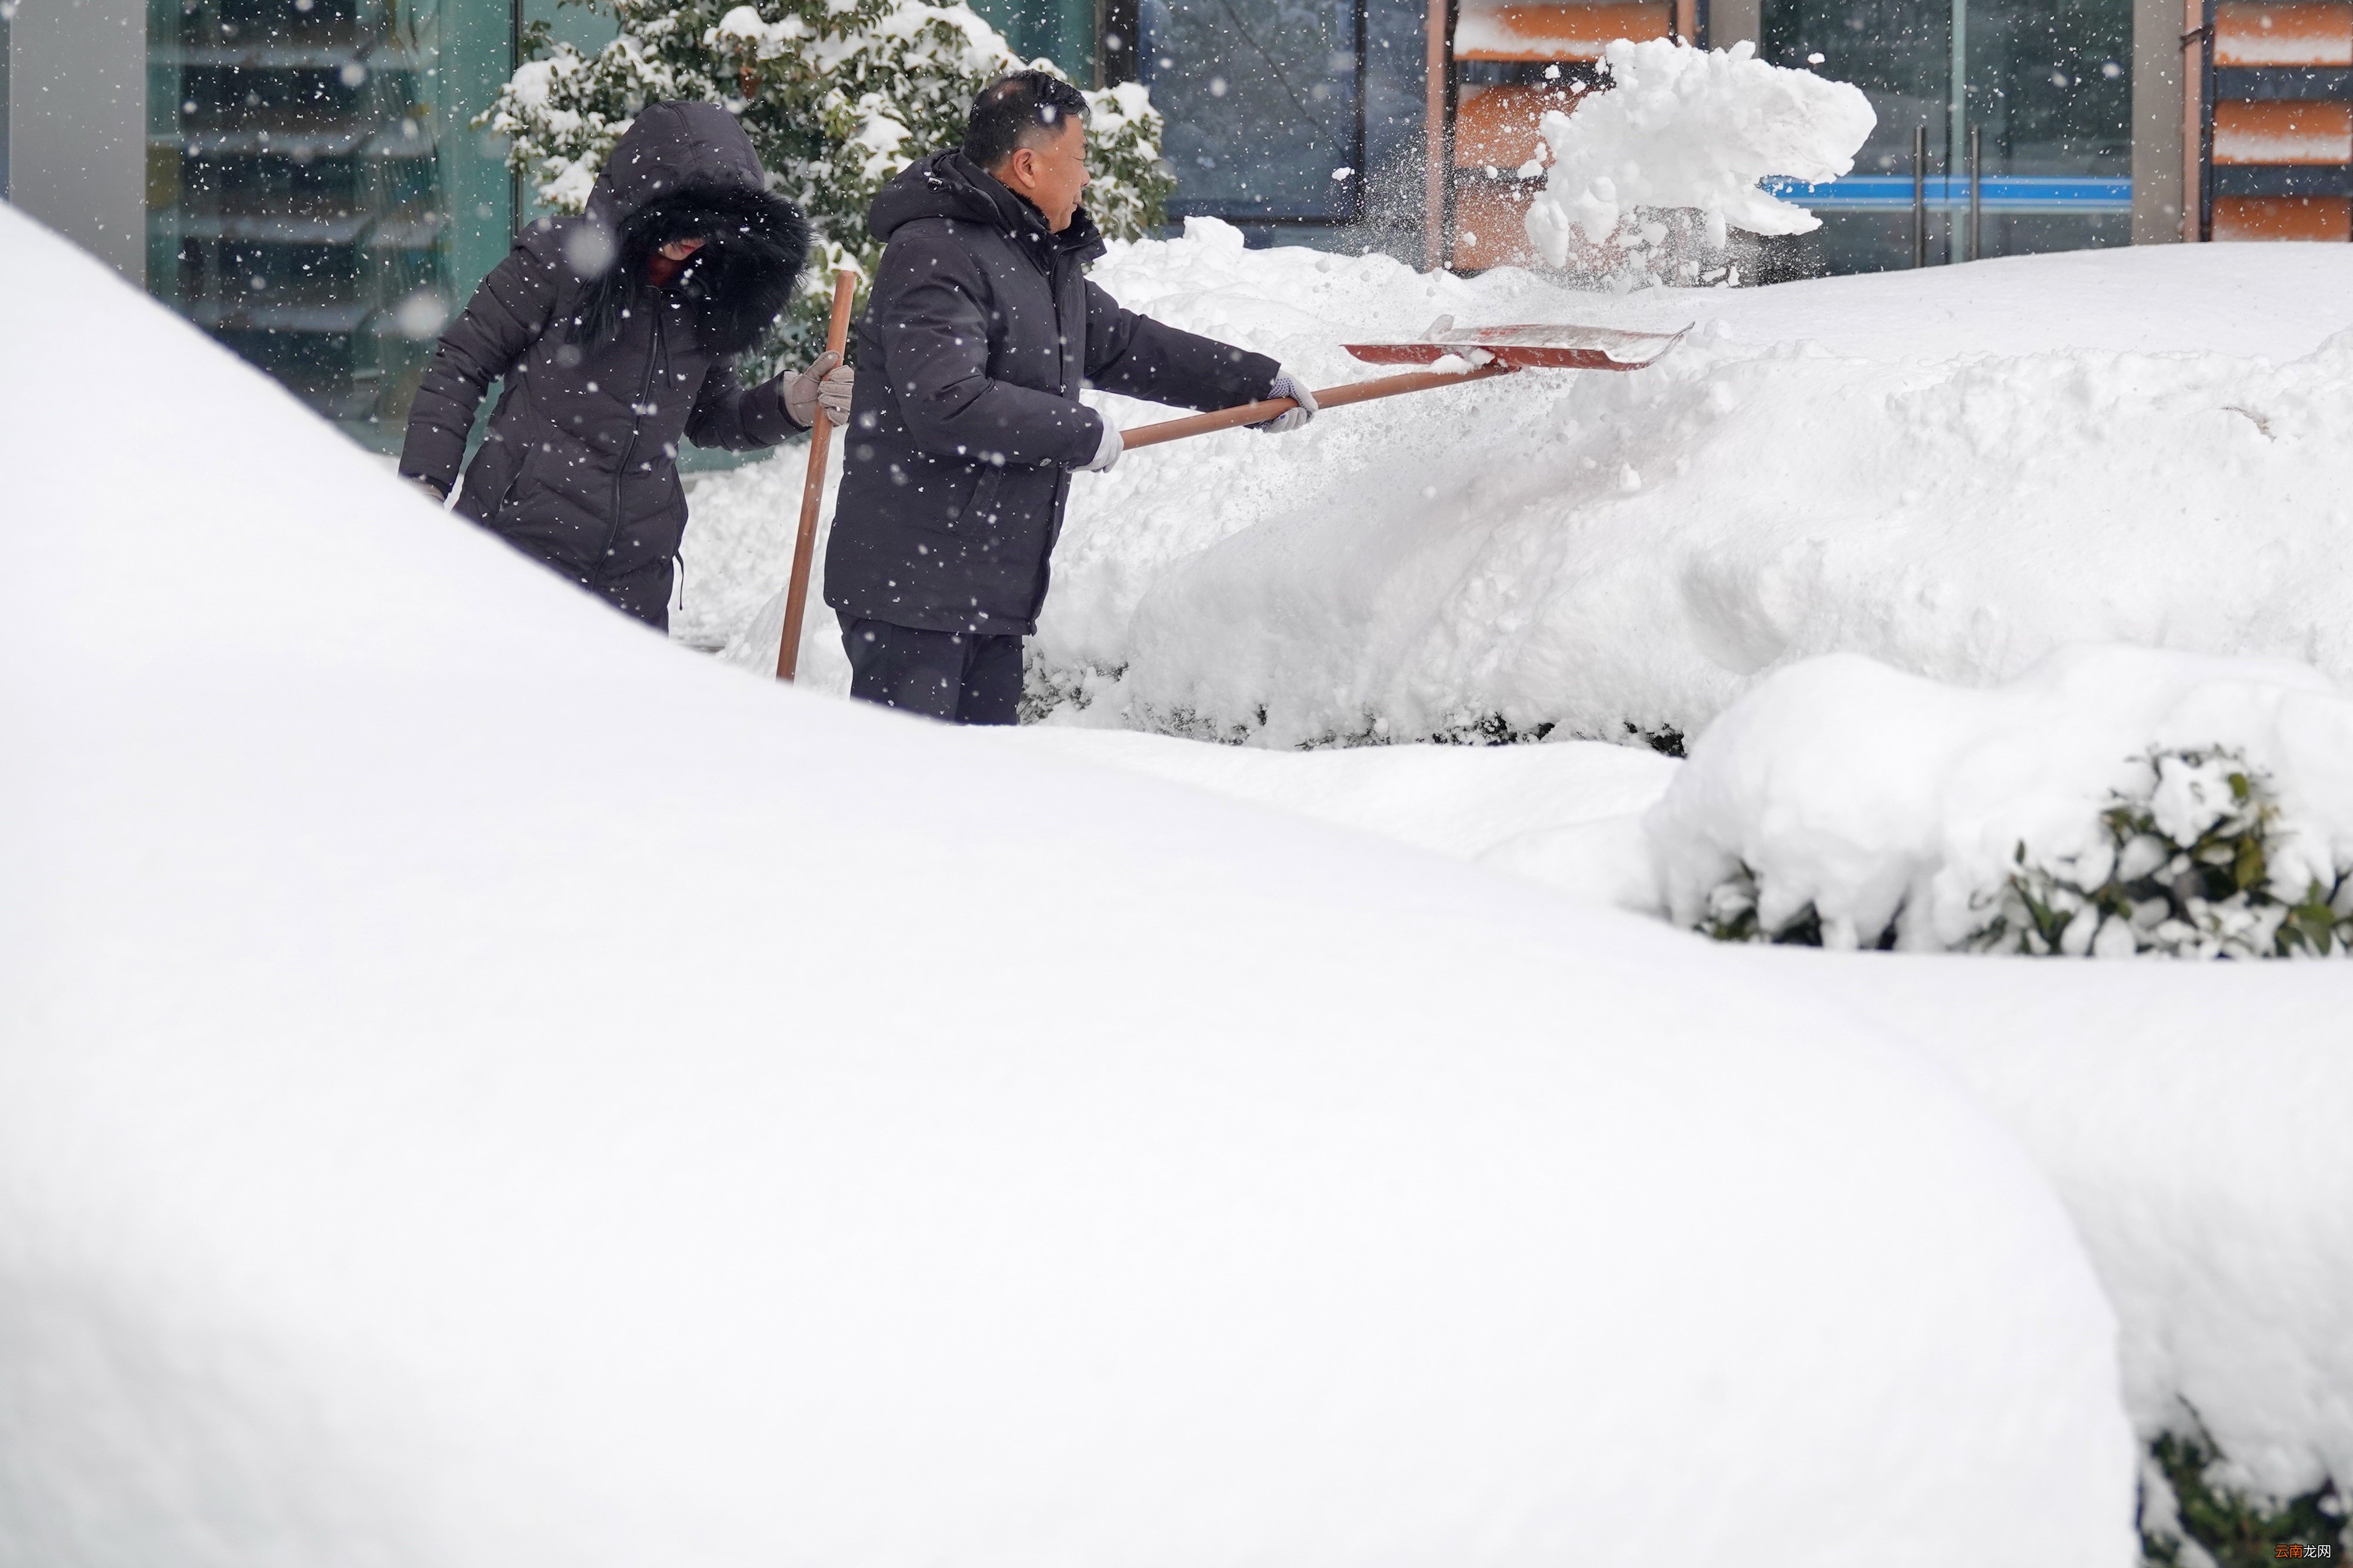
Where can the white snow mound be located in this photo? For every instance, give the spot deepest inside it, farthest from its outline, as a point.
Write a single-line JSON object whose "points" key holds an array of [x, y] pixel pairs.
{"points": [[481, 1086], [1684, 127]]}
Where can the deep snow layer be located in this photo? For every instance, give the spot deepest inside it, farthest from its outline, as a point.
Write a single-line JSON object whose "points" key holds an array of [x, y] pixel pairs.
{"points": [[479, 1085], [2187, 1112], [1953, 472]]}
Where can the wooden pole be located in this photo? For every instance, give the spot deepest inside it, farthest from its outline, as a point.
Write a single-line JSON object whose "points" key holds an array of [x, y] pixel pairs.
{"points": [[837, 339], [1438, 177], [2194, 38], [1330, 397]]}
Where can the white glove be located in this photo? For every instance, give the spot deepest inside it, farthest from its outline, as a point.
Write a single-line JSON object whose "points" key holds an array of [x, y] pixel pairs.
{"points": [[1290, 418], [827, 384], [1106, 452]]}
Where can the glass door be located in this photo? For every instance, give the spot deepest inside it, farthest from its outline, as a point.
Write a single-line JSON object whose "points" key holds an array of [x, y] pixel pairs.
{"points": [[2046, 87]]}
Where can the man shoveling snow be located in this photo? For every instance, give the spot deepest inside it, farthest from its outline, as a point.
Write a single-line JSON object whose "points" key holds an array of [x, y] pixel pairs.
{"points": [[968, 424]]}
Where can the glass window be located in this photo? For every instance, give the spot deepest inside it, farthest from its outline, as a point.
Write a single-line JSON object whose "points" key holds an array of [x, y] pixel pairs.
{"points": [[1264, 102], [316, 199]]}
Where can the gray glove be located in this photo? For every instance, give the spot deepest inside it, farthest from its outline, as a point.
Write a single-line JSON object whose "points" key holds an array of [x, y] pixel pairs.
{"points": [[1290, 418], [827, 384], [1107, 451]]}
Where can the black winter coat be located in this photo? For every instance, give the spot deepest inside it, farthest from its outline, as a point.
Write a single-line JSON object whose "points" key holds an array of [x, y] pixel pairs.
{"points": [[966, 420], [605, 373]]}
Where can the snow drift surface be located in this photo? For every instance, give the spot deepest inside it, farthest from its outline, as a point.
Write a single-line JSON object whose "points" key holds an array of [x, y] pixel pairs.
{"points": [[1682, 127], [2187, 1113], [478, 1086]]}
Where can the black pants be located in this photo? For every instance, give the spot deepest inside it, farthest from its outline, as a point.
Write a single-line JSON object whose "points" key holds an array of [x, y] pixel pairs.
{"points": [[964, 677]]}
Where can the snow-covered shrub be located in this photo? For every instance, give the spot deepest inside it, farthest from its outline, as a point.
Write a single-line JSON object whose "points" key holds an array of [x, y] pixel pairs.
{"points": [[2182, 866], [2111, 800], [837, 94], [1731, 915], [2198, 1508], [2184, 869]]}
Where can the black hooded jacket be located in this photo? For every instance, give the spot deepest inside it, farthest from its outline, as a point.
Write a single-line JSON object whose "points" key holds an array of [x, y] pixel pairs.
{"points": [[605, 373], [967, 419]]}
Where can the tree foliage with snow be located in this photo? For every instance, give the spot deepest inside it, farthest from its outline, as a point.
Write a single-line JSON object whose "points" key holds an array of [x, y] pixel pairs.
{"points": [[837, 94]]}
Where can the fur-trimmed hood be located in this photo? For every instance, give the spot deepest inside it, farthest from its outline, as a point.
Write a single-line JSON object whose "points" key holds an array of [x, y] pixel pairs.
{"points": [[680, 171]]}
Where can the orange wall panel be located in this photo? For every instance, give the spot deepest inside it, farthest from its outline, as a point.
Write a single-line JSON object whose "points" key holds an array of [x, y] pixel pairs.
{"points": [[1496, 126], [1488, 227], [2284, 217], [1565, 32], [2296, 33], [2282, 131]]}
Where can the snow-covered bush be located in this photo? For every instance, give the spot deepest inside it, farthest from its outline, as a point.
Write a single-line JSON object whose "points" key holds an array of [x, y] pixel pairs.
{"points": [[2112, 800], [837, 94], [2184, 868], [2198, 1509]]}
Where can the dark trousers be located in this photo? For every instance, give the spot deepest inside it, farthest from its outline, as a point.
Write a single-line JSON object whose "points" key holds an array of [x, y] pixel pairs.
{"points": [[964, 677]]}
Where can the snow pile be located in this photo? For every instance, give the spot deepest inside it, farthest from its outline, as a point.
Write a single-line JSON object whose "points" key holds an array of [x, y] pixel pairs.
{"points": [[1882, 802], [478, 1086], [1684, 127], [1953, 472]]}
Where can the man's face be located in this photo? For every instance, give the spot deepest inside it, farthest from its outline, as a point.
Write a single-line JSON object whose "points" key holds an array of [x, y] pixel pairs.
{"points": [[1051, 173]]}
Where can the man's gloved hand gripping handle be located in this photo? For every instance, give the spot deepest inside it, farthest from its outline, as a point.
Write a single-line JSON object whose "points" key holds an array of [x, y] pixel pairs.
{"points": [[1286, 385], [1107, 451]]}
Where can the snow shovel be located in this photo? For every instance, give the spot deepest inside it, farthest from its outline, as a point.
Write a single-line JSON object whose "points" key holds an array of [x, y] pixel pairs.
{"points": [[1484, 352], [836, 337]]}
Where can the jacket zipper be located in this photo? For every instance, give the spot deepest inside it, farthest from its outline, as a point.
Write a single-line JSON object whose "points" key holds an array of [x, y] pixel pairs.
{"points": [[637, 417]]}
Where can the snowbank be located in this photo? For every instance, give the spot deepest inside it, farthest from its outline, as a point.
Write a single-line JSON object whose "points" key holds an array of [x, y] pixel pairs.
{"points": [[2186, 1112], [2191, 1117], [481, 1086], [1688, 127], [1953, 472]]}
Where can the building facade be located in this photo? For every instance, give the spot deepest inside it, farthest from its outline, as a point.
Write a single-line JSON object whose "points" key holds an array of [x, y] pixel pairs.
{"points": [[299, 178]]}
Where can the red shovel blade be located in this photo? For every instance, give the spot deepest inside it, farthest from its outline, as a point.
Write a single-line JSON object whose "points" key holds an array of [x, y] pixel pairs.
{"points": [[1530, 347]]}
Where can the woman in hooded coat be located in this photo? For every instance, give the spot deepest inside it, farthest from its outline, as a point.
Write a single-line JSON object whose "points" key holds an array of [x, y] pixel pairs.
{"points": [[616, 333]]}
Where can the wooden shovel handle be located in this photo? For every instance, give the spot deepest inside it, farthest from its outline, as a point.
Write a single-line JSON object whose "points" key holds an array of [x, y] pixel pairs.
{"points": [[837, 337], [1330, 397]]}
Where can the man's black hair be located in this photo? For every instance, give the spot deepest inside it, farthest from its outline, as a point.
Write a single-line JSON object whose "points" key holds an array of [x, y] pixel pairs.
{"points": [[1020, 110]]}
